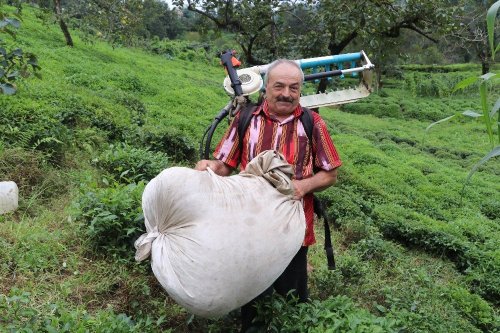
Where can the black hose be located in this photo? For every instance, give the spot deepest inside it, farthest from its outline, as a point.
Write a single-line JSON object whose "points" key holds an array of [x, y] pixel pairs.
{"points": [[202, 142], [205, 153]]}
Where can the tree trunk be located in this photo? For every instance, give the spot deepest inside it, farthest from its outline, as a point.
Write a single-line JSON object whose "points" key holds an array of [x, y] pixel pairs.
{"points": [[62, 24], [485, 66], [378, 73]]}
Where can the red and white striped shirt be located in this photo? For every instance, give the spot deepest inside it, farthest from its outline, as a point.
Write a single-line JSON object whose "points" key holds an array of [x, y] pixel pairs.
{"points": [[288, 137]]}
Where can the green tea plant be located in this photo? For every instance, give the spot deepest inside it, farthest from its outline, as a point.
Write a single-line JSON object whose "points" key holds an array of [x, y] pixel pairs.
{"points": [[335, 314], [127, 164], [111, 218], [17, 314], [488, 113]]}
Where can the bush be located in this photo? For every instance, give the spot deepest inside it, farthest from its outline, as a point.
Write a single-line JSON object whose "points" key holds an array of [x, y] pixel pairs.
{"points": [[18, 315], [112, 218], [375, 248], [378, 109], [479, 264], [128, 165], [32, 127], [185, 50], [335, 314], [491, 209], [474, 307], [171, 142]]}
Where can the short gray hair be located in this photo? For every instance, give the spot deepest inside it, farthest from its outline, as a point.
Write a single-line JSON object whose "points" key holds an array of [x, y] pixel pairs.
{"points": [[278, 62]]}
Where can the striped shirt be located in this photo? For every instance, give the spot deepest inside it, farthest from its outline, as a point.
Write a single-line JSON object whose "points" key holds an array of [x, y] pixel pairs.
{"points": [[288, 137]]}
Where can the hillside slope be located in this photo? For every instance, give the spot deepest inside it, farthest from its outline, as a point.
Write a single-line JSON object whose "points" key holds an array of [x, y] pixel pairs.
{"points": [[412, 256]]}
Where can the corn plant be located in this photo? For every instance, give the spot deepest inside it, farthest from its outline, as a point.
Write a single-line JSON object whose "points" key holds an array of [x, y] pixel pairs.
{"points": [[490, 115]]}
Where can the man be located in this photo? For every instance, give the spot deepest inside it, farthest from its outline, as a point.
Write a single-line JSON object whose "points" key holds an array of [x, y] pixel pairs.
{"points": [[276, 125]]}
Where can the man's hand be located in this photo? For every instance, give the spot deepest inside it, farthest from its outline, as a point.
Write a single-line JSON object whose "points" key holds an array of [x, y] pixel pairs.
{"points": [[217, 166], [320, 181]]}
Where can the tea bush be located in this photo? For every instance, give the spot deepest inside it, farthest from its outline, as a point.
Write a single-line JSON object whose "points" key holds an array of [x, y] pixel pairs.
{"points": [[111, 217], [387, 109], [185, 50], [17, 314], [127, 164], [475, 308], [491, 209], [31, 126], [441, 68], [169, 141], [335, 314], [478, 262]]}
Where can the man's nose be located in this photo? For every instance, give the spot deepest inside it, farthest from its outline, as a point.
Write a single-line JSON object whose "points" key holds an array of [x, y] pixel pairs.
{"points": [[285, 91]]}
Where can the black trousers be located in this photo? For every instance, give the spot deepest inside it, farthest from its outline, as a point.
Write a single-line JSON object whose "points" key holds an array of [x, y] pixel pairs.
{"points": [[293, 278]]}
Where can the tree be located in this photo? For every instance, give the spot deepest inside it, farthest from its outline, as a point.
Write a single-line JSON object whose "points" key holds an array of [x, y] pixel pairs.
{"points": [[254, 21], [62, 23], [160, 21], [371, 23], [471, 34], [56, 6], [116, 21], [329, 25]]}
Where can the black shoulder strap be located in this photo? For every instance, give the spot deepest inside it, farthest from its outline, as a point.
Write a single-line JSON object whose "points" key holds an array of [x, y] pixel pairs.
{"points": [[308, 122], [244, 121]]}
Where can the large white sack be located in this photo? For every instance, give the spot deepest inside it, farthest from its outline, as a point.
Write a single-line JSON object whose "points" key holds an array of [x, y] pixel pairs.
{"points": [[218, 242]]}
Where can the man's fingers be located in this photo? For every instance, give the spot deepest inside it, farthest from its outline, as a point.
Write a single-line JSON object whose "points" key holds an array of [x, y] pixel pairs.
{"points": [[201, 165]]}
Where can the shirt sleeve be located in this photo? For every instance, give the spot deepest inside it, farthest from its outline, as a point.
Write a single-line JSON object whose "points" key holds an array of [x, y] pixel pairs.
{"points": [[326, 156], [227, 149]]}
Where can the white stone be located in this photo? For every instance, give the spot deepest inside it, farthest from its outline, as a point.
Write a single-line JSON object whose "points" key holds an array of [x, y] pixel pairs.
{"points": [[9, 196]]}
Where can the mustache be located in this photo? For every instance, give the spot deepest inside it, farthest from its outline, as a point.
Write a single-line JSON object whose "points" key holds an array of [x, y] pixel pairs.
{"points": [[284, 99]]}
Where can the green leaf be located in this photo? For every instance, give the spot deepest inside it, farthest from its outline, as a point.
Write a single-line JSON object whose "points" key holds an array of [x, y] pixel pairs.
{"points": [[473, 114], [465, 83], [493, 111], [8, 89], [490, 22], [493, 153], [484, 106], [12, 75], [439, 121], [17, 52], [488, 76], [10, 32], [14, 22]]}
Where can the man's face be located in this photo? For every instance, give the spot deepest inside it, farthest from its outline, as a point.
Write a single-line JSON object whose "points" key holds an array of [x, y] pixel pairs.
{"points": [[283, 89]]}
